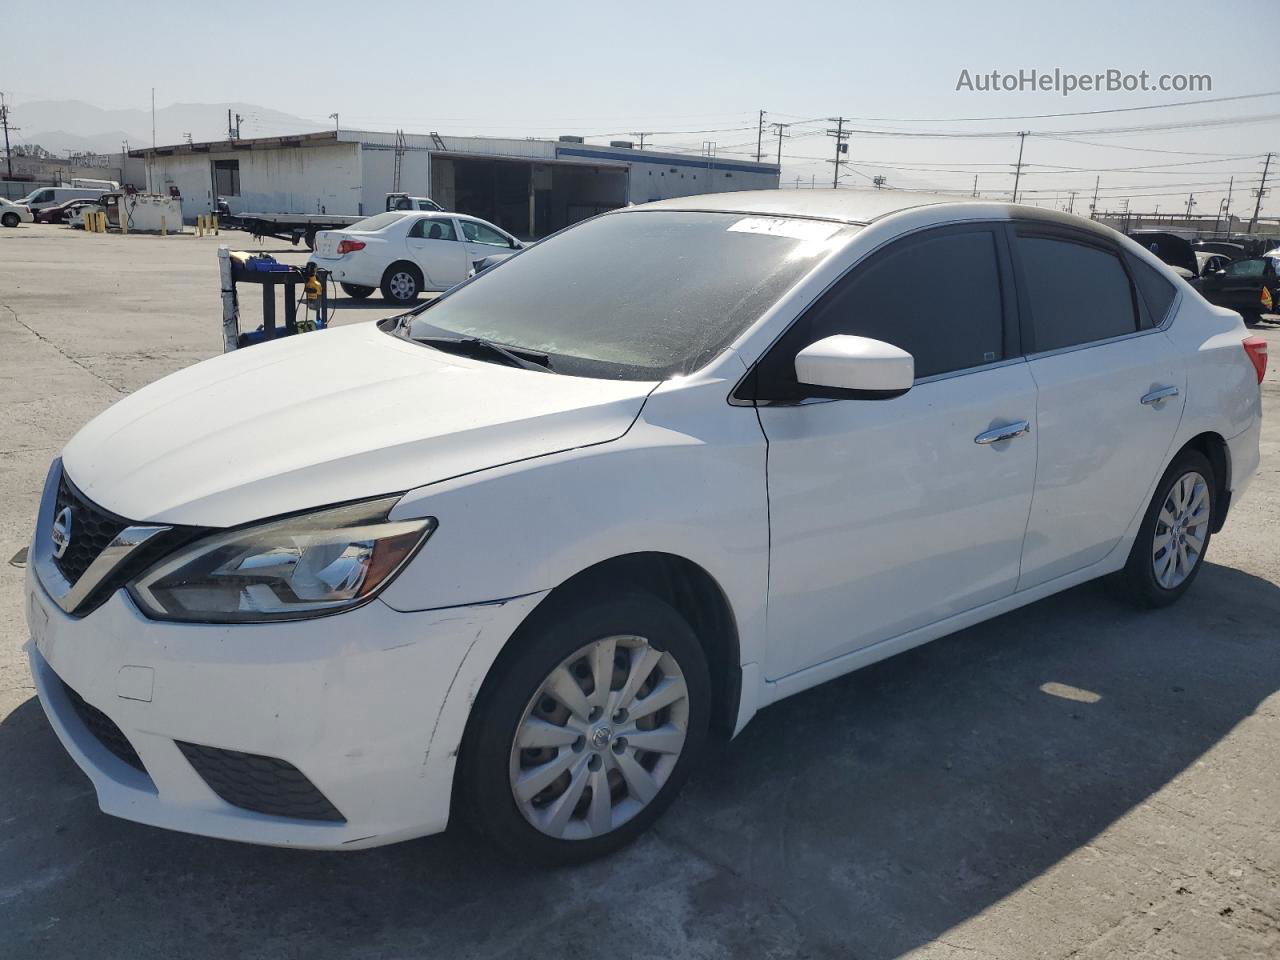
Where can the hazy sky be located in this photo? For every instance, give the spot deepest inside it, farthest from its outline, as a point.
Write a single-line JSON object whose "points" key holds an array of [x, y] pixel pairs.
{"points": [[602, 69]]}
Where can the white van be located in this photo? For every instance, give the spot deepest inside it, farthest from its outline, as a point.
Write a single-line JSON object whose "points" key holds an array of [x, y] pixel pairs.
{"points": [[44, 197]]}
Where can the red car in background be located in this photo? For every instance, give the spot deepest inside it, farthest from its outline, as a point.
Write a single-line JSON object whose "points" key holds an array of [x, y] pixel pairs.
{"points": [[60, 212]]}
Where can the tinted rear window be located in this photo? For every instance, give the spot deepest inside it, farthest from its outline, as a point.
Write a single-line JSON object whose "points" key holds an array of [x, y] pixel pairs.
{"points": [[375, 223], [1157, 291], [1079, 293]]}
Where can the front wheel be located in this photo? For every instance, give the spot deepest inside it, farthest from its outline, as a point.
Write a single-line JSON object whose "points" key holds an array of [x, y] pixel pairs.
{"points": [[1169, 550], [356, 292], [588, 732], [10, 219]]}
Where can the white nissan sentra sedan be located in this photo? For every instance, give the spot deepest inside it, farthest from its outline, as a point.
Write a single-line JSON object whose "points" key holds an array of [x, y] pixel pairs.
{"points": [[510, 557], [405, 253]]}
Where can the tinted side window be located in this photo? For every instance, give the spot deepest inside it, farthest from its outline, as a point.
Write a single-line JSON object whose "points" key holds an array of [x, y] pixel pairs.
{"points": [[937, 297], [1246, 268], [1078, 293], [1157, 291], [429, 229]]}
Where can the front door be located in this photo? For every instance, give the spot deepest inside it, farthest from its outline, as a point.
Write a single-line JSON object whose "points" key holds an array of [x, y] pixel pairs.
{"points": [[1111, 389], [434, 246], [483, 240], [889, 515]]}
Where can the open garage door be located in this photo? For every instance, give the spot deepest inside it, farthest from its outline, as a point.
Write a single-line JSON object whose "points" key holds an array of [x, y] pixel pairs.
{"points": [[527, 197]]}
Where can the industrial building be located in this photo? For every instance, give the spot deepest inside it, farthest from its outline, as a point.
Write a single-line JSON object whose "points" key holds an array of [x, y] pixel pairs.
{"points": [[529, 187]]}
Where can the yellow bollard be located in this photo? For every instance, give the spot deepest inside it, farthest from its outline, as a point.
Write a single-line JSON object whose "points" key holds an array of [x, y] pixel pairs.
{"points": [[102, 223], [124, 222], [164, 227], [199, 224], [214, 218]]}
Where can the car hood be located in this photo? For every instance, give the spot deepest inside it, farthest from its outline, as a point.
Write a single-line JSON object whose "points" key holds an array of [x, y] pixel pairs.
{"points": [[327, 417]]}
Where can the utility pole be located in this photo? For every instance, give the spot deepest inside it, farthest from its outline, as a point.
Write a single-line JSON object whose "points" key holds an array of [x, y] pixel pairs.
{"points": [[1226, 210], [1071, 202], [334, 118], [4, 121], [231, 131], [842, 148], [1262, 192], [1191, 202], [760, 138], [641, 136], [780, 127], [975, 184], [1093, 210], [1017, 173]]}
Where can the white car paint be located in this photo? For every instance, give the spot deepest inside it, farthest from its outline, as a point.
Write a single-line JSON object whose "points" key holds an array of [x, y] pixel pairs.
{"points": [[445, 260], [10, 210], [879, 525]]}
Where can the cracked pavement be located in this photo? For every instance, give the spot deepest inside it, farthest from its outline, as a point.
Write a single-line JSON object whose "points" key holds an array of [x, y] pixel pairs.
{"points": [[948, 803]]}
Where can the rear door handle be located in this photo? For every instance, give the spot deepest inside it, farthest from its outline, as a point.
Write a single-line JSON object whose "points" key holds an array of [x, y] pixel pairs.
{"points": [[1007, 432], [1158, 394]]}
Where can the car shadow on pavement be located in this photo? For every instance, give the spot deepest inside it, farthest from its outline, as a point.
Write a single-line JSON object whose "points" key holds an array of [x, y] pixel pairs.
{"points": [[861, 819]]}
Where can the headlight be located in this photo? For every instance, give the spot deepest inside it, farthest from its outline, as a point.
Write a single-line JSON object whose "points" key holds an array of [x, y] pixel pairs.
{"points": [[303, 566]]}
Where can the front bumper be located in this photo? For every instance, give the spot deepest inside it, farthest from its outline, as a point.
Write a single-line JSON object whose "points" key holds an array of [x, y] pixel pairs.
{"points": [[369, 705]]}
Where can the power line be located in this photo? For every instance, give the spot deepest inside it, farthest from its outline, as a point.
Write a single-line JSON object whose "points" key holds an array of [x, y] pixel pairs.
{"points": [[1077, 113]]}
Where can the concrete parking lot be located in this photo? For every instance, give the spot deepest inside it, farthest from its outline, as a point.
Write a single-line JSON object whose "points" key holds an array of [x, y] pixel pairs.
{"points": [[1075, 779]]}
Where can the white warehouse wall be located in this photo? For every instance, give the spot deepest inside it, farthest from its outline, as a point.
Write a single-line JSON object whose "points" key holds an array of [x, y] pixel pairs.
{"points": [[320, 179], [377, 163]]}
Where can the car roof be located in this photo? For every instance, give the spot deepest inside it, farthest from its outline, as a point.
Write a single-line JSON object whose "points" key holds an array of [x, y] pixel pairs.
{"points": [[857, 206]]}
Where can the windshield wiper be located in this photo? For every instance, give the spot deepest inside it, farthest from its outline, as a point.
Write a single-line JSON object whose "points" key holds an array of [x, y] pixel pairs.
{"points": [[526, 359]]}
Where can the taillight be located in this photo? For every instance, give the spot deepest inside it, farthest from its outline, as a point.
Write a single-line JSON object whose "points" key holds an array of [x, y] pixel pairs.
{"points": [[350, 246], [1256, 348]]}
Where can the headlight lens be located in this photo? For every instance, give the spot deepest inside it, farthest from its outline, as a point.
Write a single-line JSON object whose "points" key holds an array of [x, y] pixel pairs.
{"points": [[302, 566]]}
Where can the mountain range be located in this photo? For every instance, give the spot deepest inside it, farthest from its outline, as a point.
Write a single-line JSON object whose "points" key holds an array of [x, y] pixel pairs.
{"points": [[61, 125]]}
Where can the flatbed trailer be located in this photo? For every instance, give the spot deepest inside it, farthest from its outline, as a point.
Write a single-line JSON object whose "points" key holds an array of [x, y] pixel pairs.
{"points": [[304, 226]]}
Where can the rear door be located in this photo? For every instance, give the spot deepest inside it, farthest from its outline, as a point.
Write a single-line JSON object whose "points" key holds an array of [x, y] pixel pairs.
{"points": [[1111, 391], [434, 246]]}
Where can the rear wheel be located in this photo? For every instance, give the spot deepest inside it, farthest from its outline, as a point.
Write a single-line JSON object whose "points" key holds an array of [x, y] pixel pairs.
{"points": [[10, 219], [1169, 550], [589, 731], [357, 292], [401, 283]]}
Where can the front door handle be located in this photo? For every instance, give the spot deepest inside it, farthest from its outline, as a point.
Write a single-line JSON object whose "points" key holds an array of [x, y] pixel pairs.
{"points": [[1007, 432], [1158, 394]]}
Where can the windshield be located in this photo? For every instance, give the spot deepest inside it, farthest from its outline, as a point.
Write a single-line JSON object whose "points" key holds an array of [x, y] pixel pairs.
{"points": [[375, 223], [643, 295]]}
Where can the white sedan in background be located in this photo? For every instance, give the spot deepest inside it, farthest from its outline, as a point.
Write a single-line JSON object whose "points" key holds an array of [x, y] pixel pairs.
{"points": [[404, 253], [12, 214]]}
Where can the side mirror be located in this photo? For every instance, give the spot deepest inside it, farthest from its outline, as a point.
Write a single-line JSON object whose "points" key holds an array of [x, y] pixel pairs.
{"points": [[848, 367]]}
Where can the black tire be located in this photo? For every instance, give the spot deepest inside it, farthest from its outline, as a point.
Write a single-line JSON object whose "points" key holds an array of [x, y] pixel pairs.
{"points": [[357, 292], [1138, 580], [484, 777], [10, 219], [398, 276], [1251, 318], [310, 239]]}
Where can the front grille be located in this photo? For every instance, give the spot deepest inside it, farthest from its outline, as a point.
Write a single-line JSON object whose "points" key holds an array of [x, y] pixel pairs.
{"points": [[92, 529], [261, 784], [102, 727]]}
